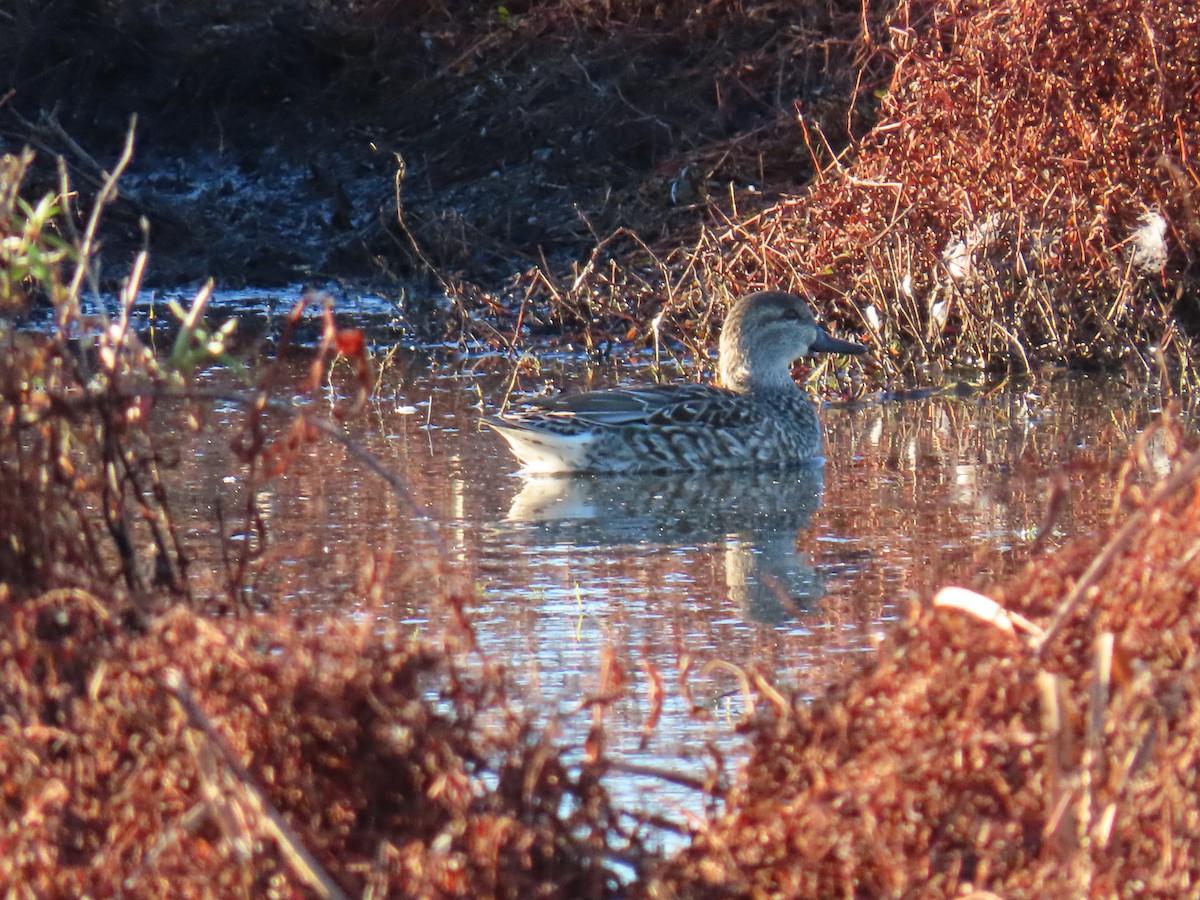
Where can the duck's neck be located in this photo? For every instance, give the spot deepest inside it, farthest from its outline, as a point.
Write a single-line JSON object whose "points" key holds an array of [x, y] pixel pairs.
{"points": [[737, 375]]}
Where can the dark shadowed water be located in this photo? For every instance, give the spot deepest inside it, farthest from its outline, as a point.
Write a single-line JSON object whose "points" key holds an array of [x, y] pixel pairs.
{"points": [[796, 575]]}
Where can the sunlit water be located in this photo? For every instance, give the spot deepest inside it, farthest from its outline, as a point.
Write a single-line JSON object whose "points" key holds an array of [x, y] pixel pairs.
{"points": [[797, 576]]}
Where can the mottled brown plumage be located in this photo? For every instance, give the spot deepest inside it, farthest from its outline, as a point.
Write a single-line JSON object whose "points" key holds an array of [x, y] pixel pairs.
{"points": [[759, 418]]}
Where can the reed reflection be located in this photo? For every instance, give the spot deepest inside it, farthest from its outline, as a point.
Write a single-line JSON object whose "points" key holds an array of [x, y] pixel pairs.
{"points": [[757, 516]]}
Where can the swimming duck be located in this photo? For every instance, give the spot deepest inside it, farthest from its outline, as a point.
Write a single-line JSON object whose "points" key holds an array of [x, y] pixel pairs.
{"points": [[758, 419]]}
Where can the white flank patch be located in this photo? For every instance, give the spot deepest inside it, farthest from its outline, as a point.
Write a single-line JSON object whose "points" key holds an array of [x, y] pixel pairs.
{"points": [[545, 453]]}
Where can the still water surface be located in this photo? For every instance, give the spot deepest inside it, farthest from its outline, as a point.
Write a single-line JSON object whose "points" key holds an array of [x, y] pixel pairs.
{"points": [[798, 575]]}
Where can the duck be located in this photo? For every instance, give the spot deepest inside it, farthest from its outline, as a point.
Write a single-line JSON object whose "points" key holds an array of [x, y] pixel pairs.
{"points": [[757, 418]]}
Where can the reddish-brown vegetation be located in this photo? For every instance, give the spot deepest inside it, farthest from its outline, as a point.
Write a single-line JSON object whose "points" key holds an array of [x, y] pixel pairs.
{"points": [[968, 756], [153, 741], [1029, 192], [996, 182], [158, 739], [154, 762]]}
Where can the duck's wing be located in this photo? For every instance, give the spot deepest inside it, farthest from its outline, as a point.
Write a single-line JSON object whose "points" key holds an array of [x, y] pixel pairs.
{"points": [[626, 406], [647, 406]]}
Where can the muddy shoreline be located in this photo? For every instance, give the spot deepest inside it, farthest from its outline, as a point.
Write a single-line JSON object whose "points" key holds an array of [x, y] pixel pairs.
{"points": [[270, 142], [616, 171]]}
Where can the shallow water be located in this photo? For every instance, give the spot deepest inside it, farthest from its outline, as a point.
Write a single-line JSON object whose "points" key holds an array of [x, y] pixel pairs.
{"points": [[798, 576]]}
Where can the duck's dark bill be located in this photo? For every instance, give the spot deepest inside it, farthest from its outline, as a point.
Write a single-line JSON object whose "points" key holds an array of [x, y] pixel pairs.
{"points": [[825, 343]]}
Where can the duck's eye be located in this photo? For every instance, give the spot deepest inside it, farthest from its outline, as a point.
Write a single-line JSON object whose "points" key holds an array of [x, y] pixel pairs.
{"points": [[792, 314]]}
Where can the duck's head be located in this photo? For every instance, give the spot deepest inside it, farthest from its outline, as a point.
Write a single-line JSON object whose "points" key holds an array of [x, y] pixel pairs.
{"points": [[765, 333]]}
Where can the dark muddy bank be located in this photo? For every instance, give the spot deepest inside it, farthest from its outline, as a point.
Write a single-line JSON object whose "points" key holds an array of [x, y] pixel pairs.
{"points": [[270, 136]]}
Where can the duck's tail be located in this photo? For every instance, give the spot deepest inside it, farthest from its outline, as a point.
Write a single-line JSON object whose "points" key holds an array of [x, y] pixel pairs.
{"points": [[544, 452]]}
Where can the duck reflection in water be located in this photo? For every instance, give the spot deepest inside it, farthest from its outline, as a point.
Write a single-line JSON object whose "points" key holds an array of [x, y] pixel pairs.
{"points": [[757, 515], [753, 445]]}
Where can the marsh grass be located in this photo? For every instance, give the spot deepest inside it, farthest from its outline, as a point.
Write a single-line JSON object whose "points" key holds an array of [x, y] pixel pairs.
{"points": [[992, 183], [160, 736], [168, 733], [1027, 197], [1013, 745]]}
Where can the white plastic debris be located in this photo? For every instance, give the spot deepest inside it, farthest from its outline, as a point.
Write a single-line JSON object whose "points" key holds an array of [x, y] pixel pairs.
{"points": [[1148, 244]]}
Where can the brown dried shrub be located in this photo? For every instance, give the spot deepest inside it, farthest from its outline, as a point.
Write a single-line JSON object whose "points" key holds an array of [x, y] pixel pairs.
{"points": [[991, 214], [968, 758], [150, 746], [374, 750]]}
